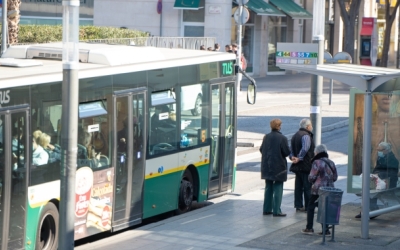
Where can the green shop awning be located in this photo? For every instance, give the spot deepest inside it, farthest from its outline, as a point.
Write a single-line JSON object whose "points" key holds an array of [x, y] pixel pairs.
{"points": [[263, 8], [292, 9], [187, 4]]}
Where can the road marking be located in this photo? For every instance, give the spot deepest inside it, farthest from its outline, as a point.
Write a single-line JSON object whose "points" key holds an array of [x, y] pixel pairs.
{"points": [[197, 219]]}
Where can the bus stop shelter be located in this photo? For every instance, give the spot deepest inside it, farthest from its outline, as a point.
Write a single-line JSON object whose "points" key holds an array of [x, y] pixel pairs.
{"points": [[368, 79]]}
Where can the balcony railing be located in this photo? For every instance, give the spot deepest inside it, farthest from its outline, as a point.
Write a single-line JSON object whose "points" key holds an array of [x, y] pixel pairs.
{"points": [[161, 42]]}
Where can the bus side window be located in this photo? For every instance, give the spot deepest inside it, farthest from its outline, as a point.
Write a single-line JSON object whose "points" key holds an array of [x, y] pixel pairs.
{"points": [[93, 147], [162, 130], [192, 118]]}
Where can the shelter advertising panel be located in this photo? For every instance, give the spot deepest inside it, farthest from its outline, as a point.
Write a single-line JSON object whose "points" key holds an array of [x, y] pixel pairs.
{"points": [[385, 142]]}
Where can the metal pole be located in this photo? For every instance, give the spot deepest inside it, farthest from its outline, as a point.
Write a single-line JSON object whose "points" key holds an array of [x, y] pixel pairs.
{"points": [[159, 8], [239, 50], [160, 24], [330, 91], [4, 25], [318, 34], [366, 165], [69, 133], [316, 94]]}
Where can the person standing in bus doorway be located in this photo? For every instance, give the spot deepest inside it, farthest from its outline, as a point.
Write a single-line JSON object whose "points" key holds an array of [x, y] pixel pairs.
{"points": [[274, 150], [302, 151]]}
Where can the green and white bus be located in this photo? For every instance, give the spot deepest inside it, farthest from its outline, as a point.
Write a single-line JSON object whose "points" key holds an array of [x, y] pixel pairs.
{"points": [[157, 130]]}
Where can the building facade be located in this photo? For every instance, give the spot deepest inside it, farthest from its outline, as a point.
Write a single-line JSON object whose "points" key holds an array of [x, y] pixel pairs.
{"points": [[270, 22], [50, 12]]}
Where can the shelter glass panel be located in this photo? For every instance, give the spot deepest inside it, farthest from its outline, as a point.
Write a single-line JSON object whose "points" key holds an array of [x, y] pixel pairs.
{"points": [[385, 147]]}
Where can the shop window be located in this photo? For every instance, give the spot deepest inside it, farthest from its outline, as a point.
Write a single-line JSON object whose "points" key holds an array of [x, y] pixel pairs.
{"points": [[277, 33], [193, 21]]}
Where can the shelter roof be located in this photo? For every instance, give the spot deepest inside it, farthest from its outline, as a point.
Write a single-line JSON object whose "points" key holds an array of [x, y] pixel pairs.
{"points": [[357, 76]]}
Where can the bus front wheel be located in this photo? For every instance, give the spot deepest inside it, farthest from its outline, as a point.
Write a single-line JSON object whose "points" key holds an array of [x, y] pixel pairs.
{"points": [[185, 193], [47, 234]]}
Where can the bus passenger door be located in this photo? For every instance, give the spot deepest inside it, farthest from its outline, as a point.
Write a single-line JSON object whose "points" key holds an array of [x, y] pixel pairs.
{"points": [[14, 158], [223, 138], [129, 128]]}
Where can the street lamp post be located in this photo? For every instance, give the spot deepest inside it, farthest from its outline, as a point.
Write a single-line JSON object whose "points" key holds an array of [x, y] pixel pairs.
{"points": [[239, 42], [69, 121], [317, 81]]}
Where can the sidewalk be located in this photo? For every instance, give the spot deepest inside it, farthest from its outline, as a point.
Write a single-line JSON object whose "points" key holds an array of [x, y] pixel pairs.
{"points": [[236, 222], [287, 97]]}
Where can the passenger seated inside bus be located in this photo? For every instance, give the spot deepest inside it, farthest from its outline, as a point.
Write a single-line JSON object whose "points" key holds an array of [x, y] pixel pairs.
{"points": [[54, 151], [87, 155], [36, 134], [100, 139], [39, 155], [17, 148], [163, 130], [17, 144]]}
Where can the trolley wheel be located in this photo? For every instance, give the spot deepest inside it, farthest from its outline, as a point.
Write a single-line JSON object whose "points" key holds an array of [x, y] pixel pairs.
{"points": [[47, 234], [197, 106], [185, 193]]}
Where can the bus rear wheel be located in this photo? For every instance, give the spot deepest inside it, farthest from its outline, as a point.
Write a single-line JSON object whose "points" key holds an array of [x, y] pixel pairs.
{"points": [[185, 193], [47, 234]]}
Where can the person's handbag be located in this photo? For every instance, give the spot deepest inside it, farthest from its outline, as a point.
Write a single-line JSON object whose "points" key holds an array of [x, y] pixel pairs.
{"points": [[294, 168]]}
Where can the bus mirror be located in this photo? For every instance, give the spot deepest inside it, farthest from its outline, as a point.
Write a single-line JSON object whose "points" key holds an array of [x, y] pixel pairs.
{"points": [[251, 93]]}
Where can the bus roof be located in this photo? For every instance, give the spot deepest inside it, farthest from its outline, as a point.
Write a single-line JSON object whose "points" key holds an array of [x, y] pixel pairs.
{"points": [[95, 60]]}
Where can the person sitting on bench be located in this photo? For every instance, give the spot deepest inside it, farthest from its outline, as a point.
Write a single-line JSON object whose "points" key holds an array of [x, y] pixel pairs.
{"points": [[387, 167]]}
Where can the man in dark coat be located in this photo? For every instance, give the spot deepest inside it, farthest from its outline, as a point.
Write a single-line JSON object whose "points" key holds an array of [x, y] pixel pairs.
{"points": [[302, 151], [274, 150]]}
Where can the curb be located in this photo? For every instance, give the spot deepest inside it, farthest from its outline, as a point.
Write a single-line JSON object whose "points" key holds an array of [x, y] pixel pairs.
{"points": [[245, 144], [257, 143]]}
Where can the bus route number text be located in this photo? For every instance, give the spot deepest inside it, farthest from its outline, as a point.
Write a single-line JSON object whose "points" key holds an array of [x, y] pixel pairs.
{"points": [[227, 68]]}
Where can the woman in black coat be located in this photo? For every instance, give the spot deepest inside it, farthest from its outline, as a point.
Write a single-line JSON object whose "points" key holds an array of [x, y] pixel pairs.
{"points": [[274, 150]]}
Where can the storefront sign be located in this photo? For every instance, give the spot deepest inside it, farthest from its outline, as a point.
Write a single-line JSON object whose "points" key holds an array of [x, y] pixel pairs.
{"points": [[297, 53], [214, 9]]}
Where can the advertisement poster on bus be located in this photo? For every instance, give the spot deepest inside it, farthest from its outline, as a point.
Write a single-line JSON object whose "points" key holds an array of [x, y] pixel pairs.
{"points": [[93, 202]]}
